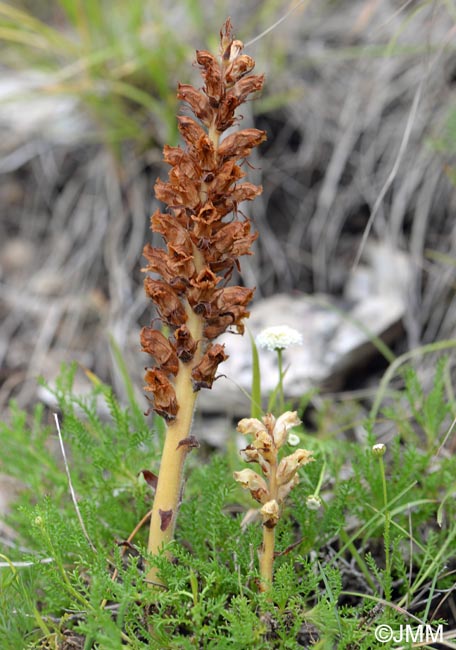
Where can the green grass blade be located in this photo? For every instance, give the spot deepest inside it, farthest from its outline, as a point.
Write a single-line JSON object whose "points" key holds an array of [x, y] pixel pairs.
{"points": [[122, 367], [255, 402]]}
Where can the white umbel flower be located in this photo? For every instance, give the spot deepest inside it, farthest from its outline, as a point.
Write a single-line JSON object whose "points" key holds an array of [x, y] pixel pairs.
{"points": [[278, 337]]}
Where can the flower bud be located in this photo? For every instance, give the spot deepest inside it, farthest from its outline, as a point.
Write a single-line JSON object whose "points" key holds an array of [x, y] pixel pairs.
{"points": [[379, 449], [313, 502], [270, 513]]}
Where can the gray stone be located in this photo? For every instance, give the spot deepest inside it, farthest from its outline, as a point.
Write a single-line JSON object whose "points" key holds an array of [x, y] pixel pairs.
{"points": [[337, 334]]}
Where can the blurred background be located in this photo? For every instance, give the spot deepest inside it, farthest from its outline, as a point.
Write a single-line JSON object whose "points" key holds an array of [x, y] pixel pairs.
{"points": [[358, 171]]}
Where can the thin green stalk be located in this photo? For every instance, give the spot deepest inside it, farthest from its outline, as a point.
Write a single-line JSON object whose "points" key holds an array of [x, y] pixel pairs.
{"points": [[387, 584], [281, 395]]}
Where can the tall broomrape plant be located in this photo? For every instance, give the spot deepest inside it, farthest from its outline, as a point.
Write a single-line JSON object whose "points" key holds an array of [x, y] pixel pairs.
{"points": [[204, 235]]}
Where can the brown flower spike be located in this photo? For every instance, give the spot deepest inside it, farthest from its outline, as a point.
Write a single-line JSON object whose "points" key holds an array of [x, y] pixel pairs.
{"points": [[202, 228], [204, 234]]}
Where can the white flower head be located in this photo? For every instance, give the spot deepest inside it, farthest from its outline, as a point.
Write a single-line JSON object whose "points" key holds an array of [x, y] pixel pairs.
{"points": [[278, 337], [379, 449], [313, 502]]}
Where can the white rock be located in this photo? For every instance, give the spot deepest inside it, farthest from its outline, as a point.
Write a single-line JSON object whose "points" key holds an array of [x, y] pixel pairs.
{"points": [[337, 335], [28, 108]]}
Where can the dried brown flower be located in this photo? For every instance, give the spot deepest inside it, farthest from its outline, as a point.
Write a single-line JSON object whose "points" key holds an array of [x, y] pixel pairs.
{"points": [[201, 227], [165, 403], [159, 347], [203, 375]]}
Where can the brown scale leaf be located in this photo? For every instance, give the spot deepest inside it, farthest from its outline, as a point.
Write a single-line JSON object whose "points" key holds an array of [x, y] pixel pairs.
{"points": [[219, 324], [191, 442], [226, 38], [225, 266], [157, 260], [167, 193], [189, 189], [165, 518], [150, 478], [181, 267], [230, 297], [180, 191], [216, 326], [226, 203], [203, 375], [245, 192]]}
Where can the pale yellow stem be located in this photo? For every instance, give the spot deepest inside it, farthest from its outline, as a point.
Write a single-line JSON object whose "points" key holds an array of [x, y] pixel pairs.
{"points": [[170, 477], [266, 551], [266, 557]]}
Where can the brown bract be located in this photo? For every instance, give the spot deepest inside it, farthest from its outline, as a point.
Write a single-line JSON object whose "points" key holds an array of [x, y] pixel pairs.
{"points": [[203, 375], [165, 403], [202, 229]]}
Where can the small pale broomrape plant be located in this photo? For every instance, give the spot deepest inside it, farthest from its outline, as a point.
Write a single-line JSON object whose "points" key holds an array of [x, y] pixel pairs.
{"points": [[279, 476], [204, 235]]}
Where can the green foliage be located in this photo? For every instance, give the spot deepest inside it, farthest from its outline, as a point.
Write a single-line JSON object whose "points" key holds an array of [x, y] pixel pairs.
{"points": [[109, 55], [331, 568], [120, 60]]}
